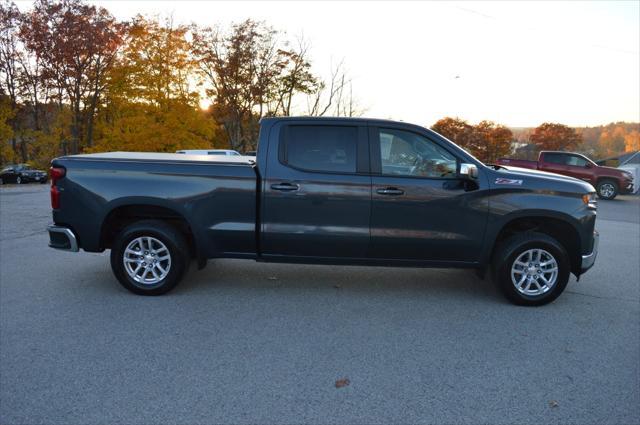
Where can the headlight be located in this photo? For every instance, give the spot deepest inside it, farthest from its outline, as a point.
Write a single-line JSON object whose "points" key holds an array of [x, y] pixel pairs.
{"points": [[590, 200]]}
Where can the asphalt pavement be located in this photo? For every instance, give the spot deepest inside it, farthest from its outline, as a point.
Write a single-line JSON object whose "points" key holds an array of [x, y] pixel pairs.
{"points": [[244, 342]]}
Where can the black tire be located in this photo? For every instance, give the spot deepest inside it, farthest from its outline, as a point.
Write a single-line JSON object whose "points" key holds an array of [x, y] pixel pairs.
{"points": [[508, 253], [43, 181], [174, 241], [607, 189]]}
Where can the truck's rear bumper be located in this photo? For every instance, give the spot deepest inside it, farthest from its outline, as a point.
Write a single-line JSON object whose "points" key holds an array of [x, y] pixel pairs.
{"points": [[589, 259], [62, 238]]}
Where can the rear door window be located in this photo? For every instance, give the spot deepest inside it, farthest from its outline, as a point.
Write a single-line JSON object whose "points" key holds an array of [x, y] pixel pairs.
{"points": [[321, 148], [554, 158]]}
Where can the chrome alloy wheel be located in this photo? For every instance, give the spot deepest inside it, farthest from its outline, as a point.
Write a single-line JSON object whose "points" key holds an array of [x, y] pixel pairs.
{"points": [[534, 272], [607, 190], [147, 260]]}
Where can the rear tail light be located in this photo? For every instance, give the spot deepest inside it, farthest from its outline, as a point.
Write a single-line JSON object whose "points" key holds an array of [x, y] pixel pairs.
{"points": [[56, 174]]}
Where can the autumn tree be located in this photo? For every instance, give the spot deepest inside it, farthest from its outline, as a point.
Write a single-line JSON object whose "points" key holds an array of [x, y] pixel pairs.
{"points": [[250, 73], [6, 132], [9, 68], [487, 140], [76, 44], [458, 131], [494, 141], [612, 141], [151, 103], [632, 141], [551, 136], [240, 69]]}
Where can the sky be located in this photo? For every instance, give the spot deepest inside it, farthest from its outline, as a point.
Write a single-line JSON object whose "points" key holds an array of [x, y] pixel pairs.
{"points": [[516, 63]]}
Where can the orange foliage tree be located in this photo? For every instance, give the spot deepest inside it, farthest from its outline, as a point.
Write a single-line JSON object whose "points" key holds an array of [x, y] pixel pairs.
{"points": [[495, 141], [632, 141], [152, 103], [487, 140], [555, 137]]}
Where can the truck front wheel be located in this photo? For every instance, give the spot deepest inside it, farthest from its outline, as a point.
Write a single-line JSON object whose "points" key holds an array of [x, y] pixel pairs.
{"points": [[607, 189], [531, 269], [149, 257]]}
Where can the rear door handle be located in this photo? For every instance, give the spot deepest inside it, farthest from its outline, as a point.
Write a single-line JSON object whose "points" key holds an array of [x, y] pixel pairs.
{"points": [[390, 191], [285, 187]]}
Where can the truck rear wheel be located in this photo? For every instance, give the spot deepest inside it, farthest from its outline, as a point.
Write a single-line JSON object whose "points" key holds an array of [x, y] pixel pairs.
{"points": [[531, 269], [607, 189], [149, 257]]}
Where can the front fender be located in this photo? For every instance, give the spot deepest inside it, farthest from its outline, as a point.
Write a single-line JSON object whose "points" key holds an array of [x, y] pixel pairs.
{"points": [[505, 206]]}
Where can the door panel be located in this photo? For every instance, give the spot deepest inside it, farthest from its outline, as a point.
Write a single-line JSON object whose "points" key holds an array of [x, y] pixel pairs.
{"points": [[311, 213], [554, 163], [418, 216], [577, 167]]}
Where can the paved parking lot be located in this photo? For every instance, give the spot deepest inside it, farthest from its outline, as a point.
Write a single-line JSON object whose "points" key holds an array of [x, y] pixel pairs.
{"points": [[244, 342]]}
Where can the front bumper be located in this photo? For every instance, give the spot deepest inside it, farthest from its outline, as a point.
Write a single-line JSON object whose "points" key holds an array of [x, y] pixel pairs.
{"points": [[626, 188], [589, 259], [62, 238]]}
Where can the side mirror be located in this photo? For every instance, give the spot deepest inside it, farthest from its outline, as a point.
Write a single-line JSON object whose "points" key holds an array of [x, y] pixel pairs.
{"points": [[588, 165], [469, 171]]}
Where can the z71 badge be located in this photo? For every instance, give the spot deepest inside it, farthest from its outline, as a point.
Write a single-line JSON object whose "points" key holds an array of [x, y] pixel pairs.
{"points": [[501, 180]]}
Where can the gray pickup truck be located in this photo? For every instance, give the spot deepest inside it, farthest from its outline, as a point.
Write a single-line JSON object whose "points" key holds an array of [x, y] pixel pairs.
{"points": [[327, 191]]}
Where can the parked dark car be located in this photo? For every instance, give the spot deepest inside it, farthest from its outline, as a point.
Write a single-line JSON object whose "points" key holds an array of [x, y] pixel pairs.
{"points": [[609, 182], [22, 173], [327, 191]]}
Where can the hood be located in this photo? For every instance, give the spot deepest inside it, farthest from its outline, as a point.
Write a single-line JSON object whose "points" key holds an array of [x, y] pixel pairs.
{"points": [[612, 171], [536, 179]]}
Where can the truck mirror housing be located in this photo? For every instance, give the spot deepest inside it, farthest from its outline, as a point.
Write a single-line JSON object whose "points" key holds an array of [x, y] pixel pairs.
{"points": [[469, 171]]}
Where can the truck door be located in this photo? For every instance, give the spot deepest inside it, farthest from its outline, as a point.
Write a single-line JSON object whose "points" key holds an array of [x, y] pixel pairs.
{"points": [[421, 210], [579, 167], [316, 190], [553, 162]]}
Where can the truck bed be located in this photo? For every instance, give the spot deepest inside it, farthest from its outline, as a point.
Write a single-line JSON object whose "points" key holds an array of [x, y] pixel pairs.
{"points": [[522, 163], [165, 157], [217, 195]]}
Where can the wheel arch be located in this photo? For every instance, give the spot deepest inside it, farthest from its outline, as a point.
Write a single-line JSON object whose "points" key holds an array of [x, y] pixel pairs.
{"points": [[612, 179], [559, 226], [123, 212]]}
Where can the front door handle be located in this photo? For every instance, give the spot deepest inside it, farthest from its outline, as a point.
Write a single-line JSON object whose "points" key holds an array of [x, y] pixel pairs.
{"points": [[285, 187], [393, 191]]}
